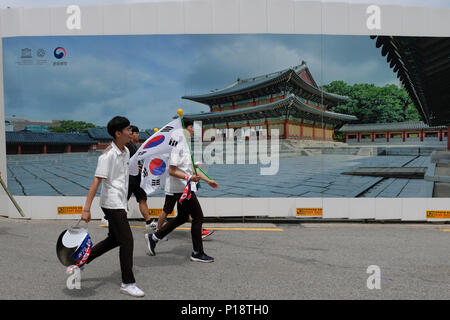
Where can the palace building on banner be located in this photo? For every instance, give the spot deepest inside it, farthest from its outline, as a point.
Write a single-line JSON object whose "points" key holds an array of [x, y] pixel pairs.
{"points": [[289, 100], [412, 132]]}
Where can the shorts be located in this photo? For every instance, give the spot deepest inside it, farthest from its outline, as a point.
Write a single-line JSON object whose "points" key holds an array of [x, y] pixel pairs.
{"points": [[135, 188]]}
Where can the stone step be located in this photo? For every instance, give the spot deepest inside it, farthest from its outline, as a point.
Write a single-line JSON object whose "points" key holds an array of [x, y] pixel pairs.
{"points": [[389, 172]]}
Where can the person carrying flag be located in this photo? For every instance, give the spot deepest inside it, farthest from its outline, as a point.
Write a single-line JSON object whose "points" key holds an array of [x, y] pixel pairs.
{"points": [[180, 188]]}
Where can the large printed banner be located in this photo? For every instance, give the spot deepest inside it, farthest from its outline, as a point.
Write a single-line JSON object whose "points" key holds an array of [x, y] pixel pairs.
{"points": [[340, 116]]}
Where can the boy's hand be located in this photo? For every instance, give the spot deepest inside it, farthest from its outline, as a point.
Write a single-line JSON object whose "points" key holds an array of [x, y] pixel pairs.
{"points": [[194, 178], [213, 184], [86, 216]]}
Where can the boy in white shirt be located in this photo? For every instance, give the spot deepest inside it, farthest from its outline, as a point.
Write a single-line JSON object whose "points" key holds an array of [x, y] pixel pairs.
{"points": [[112, 170], [180, 172]]}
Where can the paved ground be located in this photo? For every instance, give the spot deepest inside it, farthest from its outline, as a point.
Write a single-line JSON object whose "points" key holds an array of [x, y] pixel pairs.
{"points": [[300, 261], [301, 176]]}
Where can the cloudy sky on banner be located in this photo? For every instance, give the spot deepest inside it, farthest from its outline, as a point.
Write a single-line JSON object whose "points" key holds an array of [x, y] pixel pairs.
{"points": [[144, 77], [59, 3]]}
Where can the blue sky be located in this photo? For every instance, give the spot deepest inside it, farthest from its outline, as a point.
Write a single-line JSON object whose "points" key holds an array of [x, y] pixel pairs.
{"points": [[143, 77]]}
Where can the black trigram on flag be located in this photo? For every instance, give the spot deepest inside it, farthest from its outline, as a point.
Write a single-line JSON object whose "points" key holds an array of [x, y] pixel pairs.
{"points": [[156, 182], [145, 172], [166, 129], [173, 142]]}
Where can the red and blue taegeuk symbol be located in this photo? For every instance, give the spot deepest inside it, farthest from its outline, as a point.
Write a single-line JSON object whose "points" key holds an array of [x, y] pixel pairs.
{"points": [[156, 141], [157, 167]]}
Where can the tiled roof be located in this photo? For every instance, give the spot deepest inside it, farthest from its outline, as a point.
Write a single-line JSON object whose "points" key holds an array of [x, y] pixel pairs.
{"points": [[409, 125], [250, 84], [102, 134], [291, 100], [143, 135], [48, 138], [99, 133]]}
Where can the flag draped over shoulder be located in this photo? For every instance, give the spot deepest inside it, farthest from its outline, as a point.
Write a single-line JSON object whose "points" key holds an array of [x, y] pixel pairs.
{"points": [[154, 153]]}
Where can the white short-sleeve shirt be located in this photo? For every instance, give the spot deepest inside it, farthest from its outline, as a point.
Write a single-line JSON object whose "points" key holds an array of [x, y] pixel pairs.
{"points": [[112, 166], [181, 158]]}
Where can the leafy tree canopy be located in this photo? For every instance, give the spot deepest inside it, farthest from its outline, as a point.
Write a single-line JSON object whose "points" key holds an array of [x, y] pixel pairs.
{"points": [[372, 104], [70, 126]]}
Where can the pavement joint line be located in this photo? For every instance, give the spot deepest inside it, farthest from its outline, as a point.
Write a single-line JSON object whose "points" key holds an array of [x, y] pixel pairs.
{"points": [[216, 228]]}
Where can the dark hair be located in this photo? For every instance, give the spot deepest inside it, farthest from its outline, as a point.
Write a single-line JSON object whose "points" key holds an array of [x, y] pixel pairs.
{"points": [[117, 124], [134, 129], [188, 123]]}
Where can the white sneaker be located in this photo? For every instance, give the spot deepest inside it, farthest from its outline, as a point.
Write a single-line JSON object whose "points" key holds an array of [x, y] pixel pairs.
{"points": [[151, 227], [132, 290]]}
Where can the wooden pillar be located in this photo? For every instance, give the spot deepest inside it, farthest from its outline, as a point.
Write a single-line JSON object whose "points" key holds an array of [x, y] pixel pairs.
{"points": [[301, 129], [69, 148], [19, 149], [373, 136], [440, 135], [267, 128], [314, 131], [286, 128], [421, 135], [387, 136], [359, 136], [44, 149], [324, 134], [448, 138]]}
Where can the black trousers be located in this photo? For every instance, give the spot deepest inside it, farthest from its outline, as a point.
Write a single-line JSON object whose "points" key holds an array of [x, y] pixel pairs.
{"points": [[188, 207], [119, 235]]}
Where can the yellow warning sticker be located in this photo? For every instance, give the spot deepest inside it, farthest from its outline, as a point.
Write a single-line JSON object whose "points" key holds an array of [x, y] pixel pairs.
{"points": [[438, 214], [154, 212], [309, 212], [70, 210]]}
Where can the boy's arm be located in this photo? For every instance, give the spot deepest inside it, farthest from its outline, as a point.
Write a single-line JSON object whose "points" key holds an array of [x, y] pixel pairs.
{"points": [[86, 216], [202, 176], [175, 172]]}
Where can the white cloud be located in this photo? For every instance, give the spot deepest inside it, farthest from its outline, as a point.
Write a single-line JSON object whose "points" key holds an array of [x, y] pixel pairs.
{"points": [[88, 89]]}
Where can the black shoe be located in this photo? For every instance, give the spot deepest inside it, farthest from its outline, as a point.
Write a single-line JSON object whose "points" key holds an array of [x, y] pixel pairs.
{"points": [[201, 257], [151, 244]]}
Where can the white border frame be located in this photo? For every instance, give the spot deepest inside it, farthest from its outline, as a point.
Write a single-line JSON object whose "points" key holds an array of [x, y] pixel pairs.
{"points": [[219, 17]]}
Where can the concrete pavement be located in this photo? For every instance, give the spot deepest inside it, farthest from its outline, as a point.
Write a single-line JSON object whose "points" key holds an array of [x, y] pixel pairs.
{"points": [[281, 262]]}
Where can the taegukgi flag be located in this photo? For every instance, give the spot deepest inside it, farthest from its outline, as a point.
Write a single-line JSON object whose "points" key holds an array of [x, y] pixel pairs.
{"points": [[155, 153]]}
